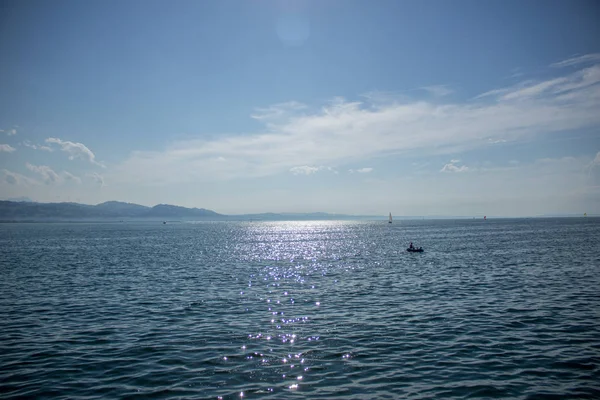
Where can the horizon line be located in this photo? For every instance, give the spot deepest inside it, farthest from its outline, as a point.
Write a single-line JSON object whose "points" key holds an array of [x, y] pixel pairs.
{"points": [[378, 216]]}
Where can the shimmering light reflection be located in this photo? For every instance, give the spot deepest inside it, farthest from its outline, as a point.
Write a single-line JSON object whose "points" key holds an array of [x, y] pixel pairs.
{"points": [[290, 257]]}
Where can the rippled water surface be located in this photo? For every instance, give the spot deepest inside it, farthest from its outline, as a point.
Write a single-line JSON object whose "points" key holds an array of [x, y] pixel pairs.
{"points": [[503, 308]]}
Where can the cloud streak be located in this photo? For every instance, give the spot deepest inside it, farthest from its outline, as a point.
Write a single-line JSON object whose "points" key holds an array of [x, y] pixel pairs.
{"points": [[67, 176], [13, 178], [574, 61], [452, 167], [438, 90], [75, 150], [47, 174], [365, 170], [27, 143], [309, 170], [304, 170], [97, 178], [6, 148], [50, 177], [298, 138]]}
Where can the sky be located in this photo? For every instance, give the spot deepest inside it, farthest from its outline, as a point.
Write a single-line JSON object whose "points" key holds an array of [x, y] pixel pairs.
{"points": [[409, 107]]}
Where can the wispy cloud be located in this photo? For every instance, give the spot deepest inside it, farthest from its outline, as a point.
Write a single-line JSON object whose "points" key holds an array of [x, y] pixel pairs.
{"points": [[6, 148], [452, 167], [309, 170], [593, 169], [496, 141], [70, 177], [516, 73], [47, 174], [97, 178], [553, 89], [438, 90], [27, 143], [574, 61], [13, 178], [304, 170], [9, 132], [277, 111], [365, 170], [75, 150], [50, 177], [344, 131]]}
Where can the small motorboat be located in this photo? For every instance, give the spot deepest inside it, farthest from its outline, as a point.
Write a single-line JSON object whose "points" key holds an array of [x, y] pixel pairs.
{"points": [[415, 250]]}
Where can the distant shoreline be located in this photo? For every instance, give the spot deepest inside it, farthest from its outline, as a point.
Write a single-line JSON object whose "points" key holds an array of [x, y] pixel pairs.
{"points": [[116, 211], [233, 219]]}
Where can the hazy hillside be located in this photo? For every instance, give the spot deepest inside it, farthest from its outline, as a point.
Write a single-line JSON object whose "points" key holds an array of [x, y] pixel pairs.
{"points": [[116, 210], [10, 210]]}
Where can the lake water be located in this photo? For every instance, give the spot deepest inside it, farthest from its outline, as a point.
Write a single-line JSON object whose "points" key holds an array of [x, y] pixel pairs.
{"points": [[502, 308]]}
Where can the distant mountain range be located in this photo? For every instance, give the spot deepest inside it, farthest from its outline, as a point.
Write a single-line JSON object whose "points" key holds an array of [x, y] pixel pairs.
{"points": [[116, 210], [12, 210], [23, 209]]}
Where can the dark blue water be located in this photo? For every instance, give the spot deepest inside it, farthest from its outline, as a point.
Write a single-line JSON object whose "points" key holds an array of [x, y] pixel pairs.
{"points": [[503, 308]]}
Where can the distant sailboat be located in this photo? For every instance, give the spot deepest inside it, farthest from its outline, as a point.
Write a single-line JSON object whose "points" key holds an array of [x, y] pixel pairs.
{"points": [[390, 220], [484, 217], [585, 214]]}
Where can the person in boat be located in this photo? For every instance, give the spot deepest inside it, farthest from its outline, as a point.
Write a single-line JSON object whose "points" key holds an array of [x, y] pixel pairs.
{"points": [[411, 246]]}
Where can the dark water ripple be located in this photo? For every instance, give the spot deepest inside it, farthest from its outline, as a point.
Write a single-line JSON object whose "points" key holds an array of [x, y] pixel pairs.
{"points": [[505, 308]]}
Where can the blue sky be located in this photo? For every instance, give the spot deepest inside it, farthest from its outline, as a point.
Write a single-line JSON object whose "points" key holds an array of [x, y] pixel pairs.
{"points": [[418, 108]]}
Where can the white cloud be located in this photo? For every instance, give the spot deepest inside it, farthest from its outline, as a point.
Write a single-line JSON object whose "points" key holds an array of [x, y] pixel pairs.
{"points": [[365, 170], [98, 178], [587, 58], [452, 167], [10, 132], [75, 150], [70, 177], [13, 178], [48, 175], [304, 170], [496, 141], [491, 93], [6, 148], [343, 132], [516, 72], [277, 111], [27, 143], [553, 88], [309, 170], [438, 90], [533, 90]]}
